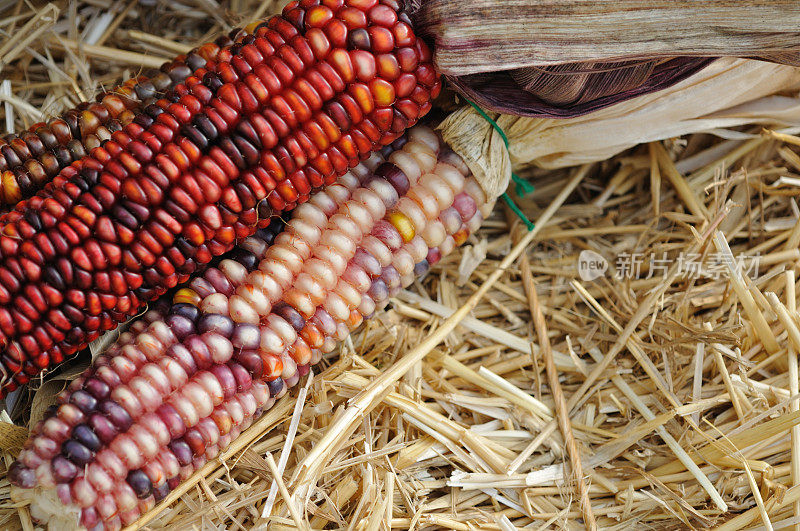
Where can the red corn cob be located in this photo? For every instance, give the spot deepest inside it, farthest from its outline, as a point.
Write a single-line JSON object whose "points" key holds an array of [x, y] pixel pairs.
{"points": [[285, 111], [182, 384], [29, 160]]}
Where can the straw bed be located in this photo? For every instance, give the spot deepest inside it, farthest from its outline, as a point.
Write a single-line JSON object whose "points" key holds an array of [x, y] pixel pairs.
{"points": [[674, 363]]}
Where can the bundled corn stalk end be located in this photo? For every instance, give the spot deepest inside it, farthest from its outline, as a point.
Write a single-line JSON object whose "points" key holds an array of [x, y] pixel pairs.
{"points": [[389, 351]]}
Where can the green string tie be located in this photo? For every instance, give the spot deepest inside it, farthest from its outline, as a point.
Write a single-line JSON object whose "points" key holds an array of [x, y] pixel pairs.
{"points": [[515, 209], [522, 187]]}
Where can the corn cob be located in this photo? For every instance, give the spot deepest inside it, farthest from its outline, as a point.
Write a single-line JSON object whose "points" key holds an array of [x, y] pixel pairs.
{"points": [[176, 391], [294, 105], [29, 160]]}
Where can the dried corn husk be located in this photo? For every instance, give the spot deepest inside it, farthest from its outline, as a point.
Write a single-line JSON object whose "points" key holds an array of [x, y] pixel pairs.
{"points": [[560, 58], [729, 93], [573, 89]]}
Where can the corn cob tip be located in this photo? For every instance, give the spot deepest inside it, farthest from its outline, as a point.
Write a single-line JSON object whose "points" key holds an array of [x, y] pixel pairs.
{"points": [[30, 160], [45, 506]]}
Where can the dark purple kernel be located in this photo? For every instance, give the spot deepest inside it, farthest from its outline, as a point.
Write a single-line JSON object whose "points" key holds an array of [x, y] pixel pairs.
{"points": [[54, 278], [275, 386], [180, 326], [205, 125], [403, 16], [145, 90], [153, 110], [76, 452], [179, 73], [399, 143], [172, 483], [140, 483], [182, 451], [116, 414], [268, 235], [188, 311], [34, 219], [83, 400], [143, 120], [214, 322], [161, 492], [63, 469], [140, 212], [359, 39], [265, 211], [194, 135], [252, 362], [396, 177], [161, 305], [84, 435], [97, 388], [290, 315], [102, 427], [245, 257], [21, 476]]}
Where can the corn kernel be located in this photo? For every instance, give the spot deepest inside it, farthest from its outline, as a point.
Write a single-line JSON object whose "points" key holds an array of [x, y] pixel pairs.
{"points": [[403, 225], [187, 296]]}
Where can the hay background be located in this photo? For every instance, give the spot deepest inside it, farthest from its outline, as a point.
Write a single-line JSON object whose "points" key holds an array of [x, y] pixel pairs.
{"points": [[707, 356]]}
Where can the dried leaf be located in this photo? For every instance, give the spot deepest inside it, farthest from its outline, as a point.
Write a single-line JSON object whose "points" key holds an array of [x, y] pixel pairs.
{"points": [[573, 83], [72, 371], [564, 58], [45, 397], [572, 92], [491, 35], [729, 93]]}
